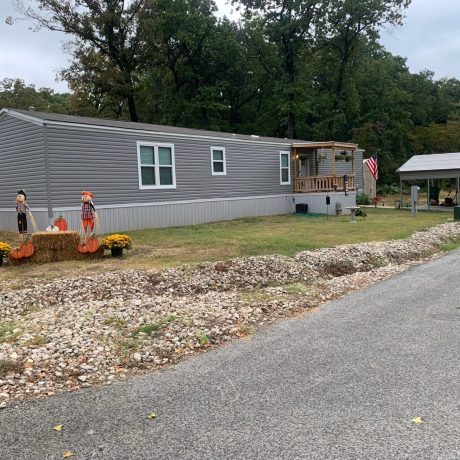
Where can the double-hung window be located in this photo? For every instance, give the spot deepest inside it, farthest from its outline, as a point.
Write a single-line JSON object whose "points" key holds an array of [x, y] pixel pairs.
{"points": [[156, 165], [218, 163], [285, 169]]}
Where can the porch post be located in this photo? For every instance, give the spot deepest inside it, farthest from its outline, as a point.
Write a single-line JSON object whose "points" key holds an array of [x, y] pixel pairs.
{"points": [[333, 160], [296, 165], [352, 161]]}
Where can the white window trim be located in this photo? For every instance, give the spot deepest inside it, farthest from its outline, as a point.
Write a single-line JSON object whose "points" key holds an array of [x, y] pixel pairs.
{"points": [[155, 146], [213, 173], [285, 152]]}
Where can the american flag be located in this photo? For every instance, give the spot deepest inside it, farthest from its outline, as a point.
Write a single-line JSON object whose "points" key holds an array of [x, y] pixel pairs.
{"points": [[373, 166]]}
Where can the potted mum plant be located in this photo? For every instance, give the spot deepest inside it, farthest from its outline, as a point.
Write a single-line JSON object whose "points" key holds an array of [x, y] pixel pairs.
{"points": [[116, 244], [5, 249]]}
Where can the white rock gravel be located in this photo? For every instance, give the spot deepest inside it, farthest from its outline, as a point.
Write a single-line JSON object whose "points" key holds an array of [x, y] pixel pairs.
{"points": [[79, 332]]}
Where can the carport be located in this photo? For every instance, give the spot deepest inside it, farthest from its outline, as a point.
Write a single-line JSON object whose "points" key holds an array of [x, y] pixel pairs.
{"points": [[429, 167]]}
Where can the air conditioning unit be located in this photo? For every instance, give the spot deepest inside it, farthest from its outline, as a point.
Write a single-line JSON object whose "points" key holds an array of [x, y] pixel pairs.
{"points": [[301, 208]]}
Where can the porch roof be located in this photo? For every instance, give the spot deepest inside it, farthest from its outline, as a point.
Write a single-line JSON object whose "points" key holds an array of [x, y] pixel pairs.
{"points": [[325, 145]]}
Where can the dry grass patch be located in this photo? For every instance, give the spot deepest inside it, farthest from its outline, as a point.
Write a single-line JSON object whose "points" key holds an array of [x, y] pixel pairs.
{"points": [[9, 367], [7, 331]]}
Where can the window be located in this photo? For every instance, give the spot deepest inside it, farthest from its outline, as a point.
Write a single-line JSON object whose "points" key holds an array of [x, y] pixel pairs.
{"points": [[156, 165], [218, 166], [285, 168]]}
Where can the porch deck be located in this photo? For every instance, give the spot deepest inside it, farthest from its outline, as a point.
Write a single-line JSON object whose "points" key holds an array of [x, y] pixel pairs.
{"points": [[315, 167], [308, 184]]}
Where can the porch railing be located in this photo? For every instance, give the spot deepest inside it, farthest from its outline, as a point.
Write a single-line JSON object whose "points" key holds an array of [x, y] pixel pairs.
{"points": [[323, 183]]}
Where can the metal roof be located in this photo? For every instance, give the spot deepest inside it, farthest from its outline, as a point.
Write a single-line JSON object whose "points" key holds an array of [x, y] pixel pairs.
{"points": [[57, 118], [438, 165]]}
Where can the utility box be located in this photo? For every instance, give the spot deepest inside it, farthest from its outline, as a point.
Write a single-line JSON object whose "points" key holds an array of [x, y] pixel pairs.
{"points": [[414, 198], [456, 212]]}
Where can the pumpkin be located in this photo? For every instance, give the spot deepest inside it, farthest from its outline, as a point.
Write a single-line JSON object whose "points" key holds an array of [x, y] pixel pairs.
{"points": [[16, 253], [27, 249], [82, 248], [92, 243], [61, 224]]}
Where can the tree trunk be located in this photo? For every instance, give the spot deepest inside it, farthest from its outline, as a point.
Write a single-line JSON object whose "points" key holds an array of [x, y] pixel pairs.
{"points": [[291, 126], [132, 108]]}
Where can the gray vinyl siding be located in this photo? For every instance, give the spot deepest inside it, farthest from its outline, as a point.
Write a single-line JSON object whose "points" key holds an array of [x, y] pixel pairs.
{"points": [[359, 169], [105, 162], [22, 162]]}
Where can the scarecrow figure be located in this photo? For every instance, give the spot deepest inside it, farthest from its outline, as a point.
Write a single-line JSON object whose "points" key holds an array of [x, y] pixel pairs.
{"points": [[88, 213], [21, 209]]}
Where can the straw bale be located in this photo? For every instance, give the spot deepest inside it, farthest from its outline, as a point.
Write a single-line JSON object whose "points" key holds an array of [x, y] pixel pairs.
{"points": [[56, 247]]}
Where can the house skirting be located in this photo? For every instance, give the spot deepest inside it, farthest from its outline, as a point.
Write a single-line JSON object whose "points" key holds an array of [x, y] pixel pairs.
{"points": [[124, 217], [317, 201]]}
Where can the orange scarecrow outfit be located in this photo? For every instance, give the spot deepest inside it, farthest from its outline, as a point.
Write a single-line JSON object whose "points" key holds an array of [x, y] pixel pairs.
{"points": [[88, 211]]}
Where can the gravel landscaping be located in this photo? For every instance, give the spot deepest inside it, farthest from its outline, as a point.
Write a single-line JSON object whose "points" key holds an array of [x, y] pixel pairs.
{"points": [[79, 332]]}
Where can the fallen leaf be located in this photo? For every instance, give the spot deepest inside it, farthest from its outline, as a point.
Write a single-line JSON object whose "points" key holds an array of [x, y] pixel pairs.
{"points": [[152, 415], [417, 420], [67, 454], [58, 427]]}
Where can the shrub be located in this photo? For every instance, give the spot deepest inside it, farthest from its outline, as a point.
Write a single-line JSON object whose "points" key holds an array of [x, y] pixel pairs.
{"points": [[362, 199], [387, 189]]}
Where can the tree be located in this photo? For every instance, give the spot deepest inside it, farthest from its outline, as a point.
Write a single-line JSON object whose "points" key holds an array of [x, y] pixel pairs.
{"points": [[352, 26], [15, 94], [111, 27], [293, 26], [91, 78]]}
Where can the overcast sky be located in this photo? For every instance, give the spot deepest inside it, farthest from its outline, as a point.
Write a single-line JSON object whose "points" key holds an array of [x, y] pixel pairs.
{"points": [[429, 39]]}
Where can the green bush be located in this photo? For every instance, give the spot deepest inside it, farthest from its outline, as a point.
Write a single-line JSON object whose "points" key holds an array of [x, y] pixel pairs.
{"points": [[387, 189], [362, 199]]}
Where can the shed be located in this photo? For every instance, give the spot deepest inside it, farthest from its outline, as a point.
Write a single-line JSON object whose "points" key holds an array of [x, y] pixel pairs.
{"points": [[429, 167], [145, 175]]}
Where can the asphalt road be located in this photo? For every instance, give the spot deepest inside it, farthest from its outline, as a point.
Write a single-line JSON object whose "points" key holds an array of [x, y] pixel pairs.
{"points": [[343, 382]]}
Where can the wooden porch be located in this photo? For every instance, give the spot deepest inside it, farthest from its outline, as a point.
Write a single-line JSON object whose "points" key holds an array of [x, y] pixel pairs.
{"points": [[323, 184], [315, 167]]}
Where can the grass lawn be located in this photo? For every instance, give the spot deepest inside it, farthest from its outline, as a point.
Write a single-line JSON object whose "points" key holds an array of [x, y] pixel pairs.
{"points": [[286, 234]]}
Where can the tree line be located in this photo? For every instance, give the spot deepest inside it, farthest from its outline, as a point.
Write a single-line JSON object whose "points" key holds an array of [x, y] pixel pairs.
{"points": [[303, 69]]}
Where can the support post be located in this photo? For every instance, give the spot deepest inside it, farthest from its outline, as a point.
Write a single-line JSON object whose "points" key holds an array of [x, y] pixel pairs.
{"points": [[353, 162], [333, 161], [296, 163], [400, 194], [428, 197], [456, 197]]}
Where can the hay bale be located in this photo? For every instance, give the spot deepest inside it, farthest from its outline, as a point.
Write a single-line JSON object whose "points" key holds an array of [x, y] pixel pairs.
{"points": [[57, 247]]}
